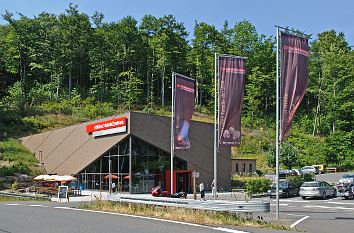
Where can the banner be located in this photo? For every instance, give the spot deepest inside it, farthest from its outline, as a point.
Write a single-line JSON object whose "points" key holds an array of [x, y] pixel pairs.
{"points": [[231, 89], [294, 72], [184, 109]]}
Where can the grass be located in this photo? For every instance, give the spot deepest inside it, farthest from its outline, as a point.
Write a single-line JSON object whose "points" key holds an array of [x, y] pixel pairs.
{"points": [[15, 199], [202, 217]]}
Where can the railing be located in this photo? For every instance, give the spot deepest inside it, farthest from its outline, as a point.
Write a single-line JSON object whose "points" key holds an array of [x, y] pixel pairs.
{"points": [[331, 169]]}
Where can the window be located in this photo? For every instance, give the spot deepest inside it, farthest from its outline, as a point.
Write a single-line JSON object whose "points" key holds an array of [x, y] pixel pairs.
{"points": [[244, 167], [250, 168], [236, 167]]}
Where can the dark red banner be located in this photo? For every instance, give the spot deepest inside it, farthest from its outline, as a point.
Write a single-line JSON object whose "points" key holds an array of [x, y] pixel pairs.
{"points": [[294, 72], [232, 72], [184, 109]]}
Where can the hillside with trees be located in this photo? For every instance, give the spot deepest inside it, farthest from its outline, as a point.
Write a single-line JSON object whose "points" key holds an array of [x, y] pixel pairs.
{"points": [[58, 70]]}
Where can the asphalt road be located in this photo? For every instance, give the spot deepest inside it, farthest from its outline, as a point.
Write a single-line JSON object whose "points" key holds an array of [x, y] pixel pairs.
{"points": [[44, 217], [316, 215]]}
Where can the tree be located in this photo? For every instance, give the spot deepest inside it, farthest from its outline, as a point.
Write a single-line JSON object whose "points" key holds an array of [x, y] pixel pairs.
{"points": [[289, 155], [132, 88], [75, 30]]}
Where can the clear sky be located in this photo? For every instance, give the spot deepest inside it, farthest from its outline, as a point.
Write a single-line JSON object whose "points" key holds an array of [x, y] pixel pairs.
{"points": [[310, 16]]}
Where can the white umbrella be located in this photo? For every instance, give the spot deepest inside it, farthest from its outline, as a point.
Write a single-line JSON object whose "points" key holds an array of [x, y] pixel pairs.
{"points": [[65, 178], [41, 177]]}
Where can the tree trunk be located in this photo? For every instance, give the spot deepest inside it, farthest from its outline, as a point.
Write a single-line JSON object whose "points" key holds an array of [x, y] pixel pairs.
{"points": [[163, 86], [70, 81]]}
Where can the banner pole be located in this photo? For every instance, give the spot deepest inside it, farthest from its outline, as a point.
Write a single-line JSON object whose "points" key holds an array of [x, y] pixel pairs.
{"points": [[172, 129], [277, 130], [215, 130]]}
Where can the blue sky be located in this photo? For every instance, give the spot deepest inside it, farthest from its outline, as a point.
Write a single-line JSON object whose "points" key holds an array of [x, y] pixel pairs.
{"points": [[311, 16]]}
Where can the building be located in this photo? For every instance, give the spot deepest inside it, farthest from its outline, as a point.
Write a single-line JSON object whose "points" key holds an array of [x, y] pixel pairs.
{"points": [[243, 165], [135, 149]]}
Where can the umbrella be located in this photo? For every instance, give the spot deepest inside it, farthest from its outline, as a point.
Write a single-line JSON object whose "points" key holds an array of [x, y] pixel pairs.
{"points": [[113, 177], [41, 177], [65, 178], [52, 178]]}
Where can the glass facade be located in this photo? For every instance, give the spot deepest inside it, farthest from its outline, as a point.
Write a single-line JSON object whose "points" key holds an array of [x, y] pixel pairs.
{"points": [[147, 168]]}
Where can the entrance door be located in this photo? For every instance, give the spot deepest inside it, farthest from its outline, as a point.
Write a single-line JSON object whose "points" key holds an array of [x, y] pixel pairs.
{"points": [[183, 182]]}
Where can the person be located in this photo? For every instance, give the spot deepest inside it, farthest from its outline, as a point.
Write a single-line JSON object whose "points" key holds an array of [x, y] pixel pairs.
{"points": [[213, 189], [202, 191], [113, 187]]}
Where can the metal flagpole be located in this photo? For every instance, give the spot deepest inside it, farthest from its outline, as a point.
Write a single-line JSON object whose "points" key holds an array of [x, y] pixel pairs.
{"points": [[172, 129], [215, 128], [277, 131]]}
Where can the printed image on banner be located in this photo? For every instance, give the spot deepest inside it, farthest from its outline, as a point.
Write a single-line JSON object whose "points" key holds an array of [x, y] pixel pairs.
{"points": [[294, 75], [184, 109], [231, 90]]}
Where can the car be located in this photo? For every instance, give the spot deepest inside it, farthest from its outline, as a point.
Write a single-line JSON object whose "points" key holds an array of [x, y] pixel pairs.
{"points": [[321, 167], [310, 170], [283, 174], [346, 191], [346, 178], [286, 189], [317, 189], [297, 172]]}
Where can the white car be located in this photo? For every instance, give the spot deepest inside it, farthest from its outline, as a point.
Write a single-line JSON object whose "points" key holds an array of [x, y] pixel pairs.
{"points": [[317, 189], [310, 170], [346, 178]]}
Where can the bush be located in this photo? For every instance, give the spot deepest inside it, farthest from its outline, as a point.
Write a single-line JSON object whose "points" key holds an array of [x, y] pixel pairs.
{"points": [[258, 186], [14, 186]]}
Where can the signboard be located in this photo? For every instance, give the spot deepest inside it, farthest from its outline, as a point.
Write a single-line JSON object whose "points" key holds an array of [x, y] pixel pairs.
{"points": [[195, 174], [117, 125], [63, 192], [232, 72], [183, 111]]}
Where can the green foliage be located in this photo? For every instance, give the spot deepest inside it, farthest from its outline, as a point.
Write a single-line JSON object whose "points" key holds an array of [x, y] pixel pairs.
{"points": [[18, 157], [258, 186], [339, 149], [299, 180], [13, 151], [288, 155], [78, 69]]}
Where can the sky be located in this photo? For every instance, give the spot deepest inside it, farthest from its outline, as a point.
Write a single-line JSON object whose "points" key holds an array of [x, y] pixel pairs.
{"points": [[309, 16]]}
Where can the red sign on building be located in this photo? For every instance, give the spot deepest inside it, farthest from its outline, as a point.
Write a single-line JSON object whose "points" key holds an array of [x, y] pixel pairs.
{"points": [[112, 126]]}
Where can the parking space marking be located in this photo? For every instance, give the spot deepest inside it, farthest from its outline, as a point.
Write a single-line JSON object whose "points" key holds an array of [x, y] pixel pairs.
{"points": [[298, 221], [229, 230], [341, 203], [280, 204], [297, 201], [38, 206], [328, 207]]}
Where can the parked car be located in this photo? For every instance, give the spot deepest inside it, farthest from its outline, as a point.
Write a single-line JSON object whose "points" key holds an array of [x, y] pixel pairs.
{"points": [[321, 167], [297, 172], [346, 178], [317, 189], [283, 174], [346, 191], [310, 170], [286, 189]]}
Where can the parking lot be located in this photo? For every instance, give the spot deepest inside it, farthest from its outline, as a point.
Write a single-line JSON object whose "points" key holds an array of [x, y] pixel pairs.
{"points": [[317, 215]]}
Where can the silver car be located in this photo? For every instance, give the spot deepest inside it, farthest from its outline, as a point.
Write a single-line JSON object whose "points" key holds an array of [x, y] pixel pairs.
{"points": [[317, 189], [310, 170], [347, 179]]}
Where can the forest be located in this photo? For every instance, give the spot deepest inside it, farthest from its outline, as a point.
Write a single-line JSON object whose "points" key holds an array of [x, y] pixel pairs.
{"points": [[77, 65]]}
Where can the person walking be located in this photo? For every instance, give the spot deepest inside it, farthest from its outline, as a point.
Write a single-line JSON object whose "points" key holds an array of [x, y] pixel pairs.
{"points": [[202, 191], [213, 189]]}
